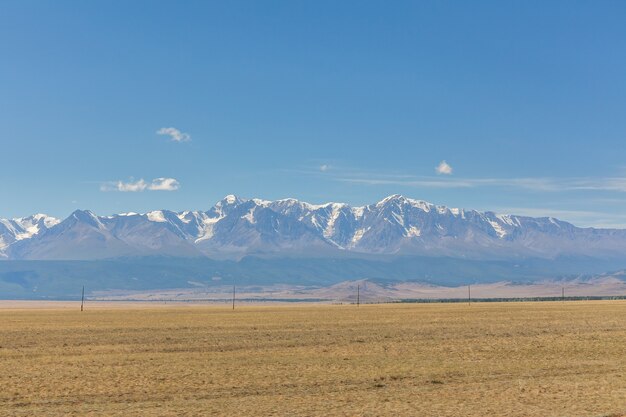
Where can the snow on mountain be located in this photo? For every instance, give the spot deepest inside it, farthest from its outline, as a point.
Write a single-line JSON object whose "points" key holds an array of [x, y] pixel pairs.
{"points": [[236, 227], [13, 230]]}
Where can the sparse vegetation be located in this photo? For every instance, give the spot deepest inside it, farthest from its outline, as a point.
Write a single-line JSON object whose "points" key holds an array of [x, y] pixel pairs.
{"points": [[491, 359]]}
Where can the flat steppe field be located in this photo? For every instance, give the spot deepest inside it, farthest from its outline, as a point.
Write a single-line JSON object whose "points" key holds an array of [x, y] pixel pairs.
{"points": [[487, 359]]}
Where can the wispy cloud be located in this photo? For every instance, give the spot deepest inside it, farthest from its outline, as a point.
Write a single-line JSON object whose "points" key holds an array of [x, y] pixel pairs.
{"points": [[605, 184], [438, 182], [543, 184], [531, 184], [157, 184], [423, 182], [443, 168], [174, 134], [356, 175]]}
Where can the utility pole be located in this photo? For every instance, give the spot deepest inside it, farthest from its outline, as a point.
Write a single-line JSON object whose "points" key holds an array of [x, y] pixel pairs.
{"points": [[469, 295], [233, 296], [358, 295], [562, 293], [82, 299]]}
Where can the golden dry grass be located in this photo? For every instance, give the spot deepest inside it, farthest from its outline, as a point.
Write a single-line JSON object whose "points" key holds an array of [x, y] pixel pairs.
{"points": [[505, 359]]}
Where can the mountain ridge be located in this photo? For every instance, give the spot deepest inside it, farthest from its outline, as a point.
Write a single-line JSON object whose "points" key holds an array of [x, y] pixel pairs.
{"points": [[236, 227]]}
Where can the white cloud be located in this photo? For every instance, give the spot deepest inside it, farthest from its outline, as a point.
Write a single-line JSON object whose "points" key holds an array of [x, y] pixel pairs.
{"points": [[131, 186], [164, 184], [174, 134], [443, 168], [324, 168], [157, 184]]}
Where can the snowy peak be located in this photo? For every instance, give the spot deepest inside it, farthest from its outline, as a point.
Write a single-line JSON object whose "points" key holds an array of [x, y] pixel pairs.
{"points": [[86, 217], [156, 216], [230, 200], [397, 200]]}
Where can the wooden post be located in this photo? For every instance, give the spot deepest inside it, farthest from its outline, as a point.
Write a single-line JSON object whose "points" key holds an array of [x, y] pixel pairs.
{"points": [[562, 293], [233, 296], [469, 295], [82, 299], [358, 295]]}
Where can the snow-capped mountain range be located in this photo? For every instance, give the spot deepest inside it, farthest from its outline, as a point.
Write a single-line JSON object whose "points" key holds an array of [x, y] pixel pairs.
{"points": [[237, 227]]}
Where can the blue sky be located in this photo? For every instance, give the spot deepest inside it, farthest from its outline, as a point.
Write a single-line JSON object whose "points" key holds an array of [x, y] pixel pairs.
{"points": [[321, 101]]}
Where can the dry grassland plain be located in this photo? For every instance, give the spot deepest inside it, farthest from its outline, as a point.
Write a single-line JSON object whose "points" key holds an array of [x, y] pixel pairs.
{"points": [[487, 359]]}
